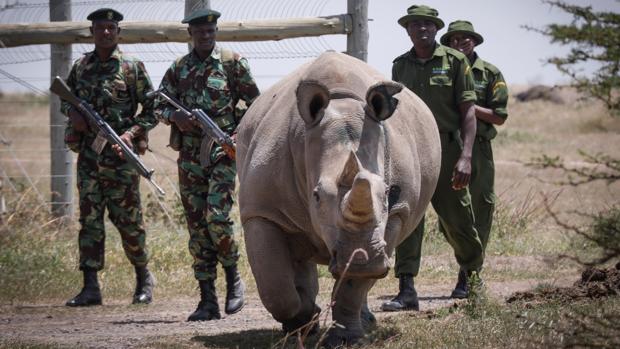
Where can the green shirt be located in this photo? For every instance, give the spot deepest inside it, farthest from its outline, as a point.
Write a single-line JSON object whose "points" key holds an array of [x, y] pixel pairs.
{"points": [[442, 82], [491, 92]]}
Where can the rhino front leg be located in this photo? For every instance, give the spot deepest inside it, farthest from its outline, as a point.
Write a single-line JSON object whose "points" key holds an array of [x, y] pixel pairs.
{"points": [[286, 285], [347, 312]]}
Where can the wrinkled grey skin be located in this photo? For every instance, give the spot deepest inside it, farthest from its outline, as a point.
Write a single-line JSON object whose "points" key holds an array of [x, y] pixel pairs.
{"points": [[331, 159]]}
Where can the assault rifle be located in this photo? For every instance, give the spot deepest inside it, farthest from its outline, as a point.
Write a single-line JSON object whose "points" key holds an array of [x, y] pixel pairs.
{"points": [[96, 123], [206, 123]]}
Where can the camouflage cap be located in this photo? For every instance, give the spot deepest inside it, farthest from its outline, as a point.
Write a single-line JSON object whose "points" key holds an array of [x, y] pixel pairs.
{"points": [[461, 27], [105, 14], [201, 17], [421, 12]]}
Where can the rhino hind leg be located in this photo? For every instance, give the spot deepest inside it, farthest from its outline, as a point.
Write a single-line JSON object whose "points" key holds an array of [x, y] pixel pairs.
{"points": [[287, 286]]}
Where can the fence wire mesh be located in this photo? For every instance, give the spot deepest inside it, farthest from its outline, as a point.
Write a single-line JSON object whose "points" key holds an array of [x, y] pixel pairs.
{"points": [[25, 164]]}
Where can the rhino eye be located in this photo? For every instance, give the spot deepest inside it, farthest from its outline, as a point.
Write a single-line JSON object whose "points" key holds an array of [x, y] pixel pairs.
{"points": [[315, 194]]}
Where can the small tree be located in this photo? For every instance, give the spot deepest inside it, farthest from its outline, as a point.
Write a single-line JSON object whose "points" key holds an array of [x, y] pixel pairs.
{"points": [[594, 37]]}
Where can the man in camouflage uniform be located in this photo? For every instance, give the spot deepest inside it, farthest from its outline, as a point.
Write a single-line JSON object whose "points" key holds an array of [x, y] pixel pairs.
{"points": [[212, 79], [492, 98], [113, 84], [442, 78]]}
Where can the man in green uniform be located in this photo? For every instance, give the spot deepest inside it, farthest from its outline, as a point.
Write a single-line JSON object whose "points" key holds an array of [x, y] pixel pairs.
{"points": [[212, 79], [442, 78], [492, 98], [113, 84]]}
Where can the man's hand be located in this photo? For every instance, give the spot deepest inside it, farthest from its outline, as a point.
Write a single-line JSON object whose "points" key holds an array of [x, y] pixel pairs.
{"points": [[77, 120], [125, 137], [466, 46], [183, 122], [462, 173]]}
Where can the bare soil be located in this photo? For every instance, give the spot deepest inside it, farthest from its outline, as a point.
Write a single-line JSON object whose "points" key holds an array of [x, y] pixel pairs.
{"points": [[594, 283], [163, 323]]}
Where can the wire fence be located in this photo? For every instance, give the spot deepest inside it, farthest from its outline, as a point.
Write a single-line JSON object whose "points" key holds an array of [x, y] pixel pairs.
{"points": [[37, 11], [25, 164]]}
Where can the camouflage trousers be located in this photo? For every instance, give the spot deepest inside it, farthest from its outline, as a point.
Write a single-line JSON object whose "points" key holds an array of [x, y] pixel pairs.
{"points": [[207, 196], [112, 184]]}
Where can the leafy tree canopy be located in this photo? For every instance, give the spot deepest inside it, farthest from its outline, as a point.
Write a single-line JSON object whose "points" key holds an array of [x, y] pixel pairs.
{"points": [[593, 37]]}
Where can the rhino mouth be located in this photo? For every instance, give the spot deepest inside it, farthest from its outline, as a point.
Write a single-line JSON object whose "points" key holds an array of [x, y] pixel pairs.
{"points": [[360, 263]]}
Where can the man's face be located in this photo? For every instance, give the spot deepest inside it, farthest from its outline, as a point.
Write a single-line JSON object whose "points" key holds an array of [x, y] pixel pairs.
{"points": [[462, 42], [105, 33], [203, 36], [422, 32]]}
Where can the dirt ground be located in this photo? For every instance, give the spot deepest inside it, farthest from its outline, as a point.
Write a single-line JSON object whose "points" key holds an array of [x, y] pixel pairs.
{"points": [[119, 325]]}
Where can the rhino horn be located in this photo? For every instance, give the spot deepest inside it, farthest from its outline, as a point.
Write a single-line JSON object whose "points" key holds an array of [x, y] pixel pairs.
{"points": [[357, 203], [312, 99], [351, 169], [380, 101]]}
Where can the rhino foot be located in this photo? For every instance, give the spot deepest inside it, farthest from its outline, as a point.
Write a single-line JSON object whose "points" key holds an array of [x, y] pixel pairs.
{"points": [[338, 337], [368, 318], [303, 322]]}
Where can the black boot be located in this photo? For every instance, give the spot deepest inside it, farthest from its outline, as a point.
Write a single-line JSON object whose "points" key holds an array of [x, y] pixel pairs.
{"points": [[207, 309], [90, 294], [407, 297], [461, 290], [144, 286], [235, 290]]}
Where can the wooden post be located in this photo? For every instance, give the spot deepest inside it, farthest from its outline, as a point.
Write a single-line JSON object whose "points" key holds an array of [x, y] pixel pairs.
{"points": [[357, 41], [143, 32], [193, 5], [62, 159]]}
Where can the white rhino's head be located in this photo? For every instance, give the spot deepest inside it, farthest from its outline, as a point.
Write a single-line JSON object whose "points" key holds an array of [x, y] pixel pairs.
{"points": [[345, 175]]}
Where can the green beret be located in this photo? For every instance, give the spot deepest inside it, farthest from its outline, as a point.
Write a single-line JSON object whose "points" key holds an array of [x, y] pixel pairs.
{"points": [[421, 12], [202, 17], [461, 27], [106, 14]]}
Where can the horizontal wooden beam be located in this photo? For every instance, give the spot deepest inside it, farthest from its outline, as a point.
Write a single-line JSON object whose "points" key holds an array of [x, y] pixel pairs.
{"points": [[12, 35]]}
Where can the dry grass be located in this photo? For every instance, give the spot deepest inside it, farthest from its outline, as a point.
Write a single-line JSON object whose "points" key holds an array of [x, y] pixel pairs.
{"points": [[38, 256]]}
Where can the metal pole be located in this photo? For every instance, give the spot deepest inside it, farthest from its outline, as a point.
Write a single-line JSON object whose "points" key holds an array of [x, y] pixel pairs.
{"points": [[62, 159], [357, 40], [193, 5]]}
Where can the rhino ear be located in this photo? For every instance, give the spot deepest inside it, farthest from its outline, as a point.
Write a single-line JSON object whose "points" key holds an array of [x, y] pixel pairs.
{"points": [[312, 99], [351, 169], [380, 101]]}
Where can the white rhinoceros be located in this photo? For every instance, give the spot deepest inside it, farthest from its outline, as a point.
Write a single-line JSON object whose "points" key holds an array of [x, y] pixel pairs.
{"points": [[331, 159]]}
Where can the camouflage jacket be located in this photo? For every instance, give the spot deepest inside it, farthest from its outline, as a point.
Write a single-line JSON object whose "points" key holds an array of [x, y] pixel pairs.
{"points": [[114, 88], [214, 85]]}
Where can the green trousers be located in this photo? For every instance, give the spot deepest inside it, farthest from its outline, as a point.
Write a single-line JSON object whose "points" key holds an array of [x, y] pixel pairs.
{"points": [[456, 217], [481, 188]]}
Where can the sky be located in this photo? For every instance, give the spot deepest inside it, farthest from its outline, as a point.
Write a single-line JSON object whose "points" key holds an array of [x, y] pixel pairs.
{"points": [[518, 53]]}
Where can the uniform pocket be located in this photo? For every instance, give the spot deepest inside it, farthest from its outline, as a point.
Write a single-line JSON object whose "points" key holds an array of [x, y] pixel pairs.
{"points": [[120, 92], [440, 80]]}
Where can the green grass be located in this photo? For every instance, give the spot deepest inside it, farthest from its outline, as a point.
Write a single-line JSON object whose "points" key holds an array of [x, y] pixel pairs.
{"points": [[19, 344], [490, 324], [39, 256]]}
